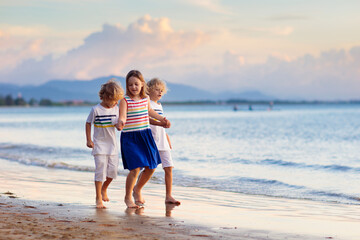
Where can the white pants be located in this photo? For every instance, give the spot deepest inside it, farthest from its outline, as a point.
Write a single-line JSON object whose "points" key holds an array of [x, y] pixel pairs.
{"points": [[106, 166], [166, 159]]}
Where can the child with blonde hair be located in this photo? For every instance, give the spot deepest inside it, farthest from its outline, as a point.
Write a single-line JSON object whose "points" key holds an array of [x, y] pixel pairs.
{"points": [[157, 89], [104, 146], [138, 148]]}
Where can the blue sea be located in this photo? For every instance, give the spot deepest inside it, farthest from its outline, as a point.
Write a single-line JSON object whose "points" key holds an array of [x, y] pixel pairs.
{"points": [[293, 151]]}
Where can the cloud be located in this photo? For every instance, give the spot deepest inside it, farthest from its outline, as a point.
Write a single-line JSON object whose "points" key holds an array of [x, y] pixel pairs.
{"points": [[143, 44], [15, 50], [232, 60], [154, 47], [23, 31], [282, 31], [18, 43], [333, 74], [211, 5], [287, 17], [276, 31]]}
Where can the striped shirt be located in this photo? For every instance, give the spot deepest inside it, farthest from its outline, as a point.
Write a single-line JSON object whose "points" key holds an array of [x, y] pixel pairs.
{"points": [[157, 108], [137, 117], [104, 136], [158, 132], [104, 121]]}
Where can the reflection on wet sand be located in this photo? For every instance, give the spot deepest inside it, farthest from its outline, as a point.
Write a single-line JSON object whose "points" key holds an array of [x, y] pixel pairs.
{"points": [[169, 207], [132, 211]]}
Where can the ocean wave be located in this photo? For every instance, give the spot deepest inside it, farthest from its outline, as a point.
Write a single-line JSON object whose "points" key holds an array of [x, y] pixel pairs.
{"points": [[331, 167], [44, 163], [51, 164], [265, 187], [35, 149], [244, 185], [281, 163], [36, 155]]}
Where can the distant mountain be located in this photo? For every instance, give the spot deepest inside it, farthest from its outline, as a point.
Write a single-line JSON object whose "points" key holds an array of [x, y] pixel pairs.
{"points": [[180, 92], [64, 90], [60, 90]]}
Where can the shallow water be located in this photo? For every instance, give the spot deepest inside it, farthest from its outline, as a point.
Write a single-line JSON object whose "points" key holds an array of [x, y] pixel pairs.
{"points": [[302, 152]]}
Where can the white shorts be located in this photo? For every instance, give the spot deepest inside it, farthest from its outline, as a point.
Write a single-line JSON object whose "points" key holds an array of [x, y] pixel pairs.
{"points": [[166, 159], [106, 166]]}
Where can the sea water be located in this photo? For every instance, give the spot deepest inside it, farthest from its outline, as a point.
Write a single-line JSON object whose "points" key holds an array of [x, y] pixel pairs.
{"points": [[293, 151]]}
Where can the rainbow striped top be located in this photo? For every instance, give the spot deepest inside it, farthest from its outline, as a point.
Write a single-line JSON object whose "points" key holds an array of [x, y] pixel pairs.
{"points": [[137, 115]]}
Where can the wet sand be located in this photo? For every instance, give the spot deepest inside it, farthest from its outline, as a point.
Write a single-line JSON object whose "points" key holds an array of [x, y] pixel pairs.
{"points": [[41, 203], [33, 220]]}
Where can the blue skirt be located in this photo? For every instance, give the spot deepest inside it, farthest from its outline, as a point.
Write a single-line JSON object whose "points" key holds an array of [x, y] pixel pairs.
{"points": [[138, 149]]}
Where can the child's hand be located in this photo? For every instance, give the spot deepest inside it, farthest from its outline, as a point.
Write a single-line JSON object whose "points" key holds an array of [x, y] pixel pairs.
{"points": [[89, 144], [120, 125], [166, 123]]}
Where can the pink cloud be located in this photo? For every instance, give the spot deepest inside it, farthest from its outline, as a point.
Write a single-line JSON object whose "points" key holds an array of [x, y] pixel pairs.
{"points": [[154, 47], [113, 50]]}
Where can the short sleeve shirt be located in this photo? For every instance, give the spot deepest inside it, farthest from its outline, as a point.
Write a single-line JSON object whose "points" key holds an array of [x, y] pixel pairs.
{"points": [[104, 136]]}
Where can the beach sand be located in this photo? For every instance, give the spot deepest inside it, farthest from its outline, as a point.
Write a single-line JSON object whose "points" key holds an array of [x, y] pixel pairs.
{"points": [[30, 220], [43, 203]]}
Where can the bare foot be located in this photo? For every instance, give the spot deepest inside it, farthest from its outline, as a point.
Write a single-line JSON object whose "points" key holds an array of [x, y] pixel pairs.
{"points": [[139, 200], [104, 196], [99, 204], [130, 203], [172, 200]]}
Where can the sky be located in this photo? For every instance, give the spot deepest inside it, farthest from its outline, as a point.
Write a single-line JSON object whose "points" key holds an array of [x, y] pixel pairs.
{"points": [[288, 49]]}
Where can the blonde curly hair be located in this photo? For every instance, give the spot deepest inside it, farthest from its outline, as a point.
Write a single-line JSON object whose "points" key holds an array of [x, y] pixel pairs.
{"points": [[156, 82], [111, 90]]}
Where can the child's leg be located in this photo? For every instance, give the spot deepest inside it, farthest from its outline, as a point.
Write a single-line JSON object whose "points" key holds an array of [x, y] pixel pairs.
{"points": [[99, 203], [167, 164], [168, 186], [143, 179], [111, 173], [100, 170], [129, 186], [104, 189]]}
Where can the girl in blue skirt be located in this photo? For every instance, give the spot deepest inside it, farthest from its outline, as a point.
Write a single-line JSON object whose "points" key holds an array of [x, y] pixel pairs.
{"points": [[138, 148]]}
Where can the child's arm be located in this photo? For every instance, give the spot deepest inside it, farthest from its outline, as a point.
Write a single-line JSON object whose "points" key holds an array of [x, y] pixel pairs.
{"points": [[156, 122], [122, 115], [168, 138], [165, 123], [89, 142]]}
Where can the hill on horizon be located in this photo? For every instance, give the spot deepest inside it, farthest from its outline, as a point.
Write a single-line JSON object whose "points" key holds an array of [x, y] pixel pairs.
{"points": [[87, 90]]}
